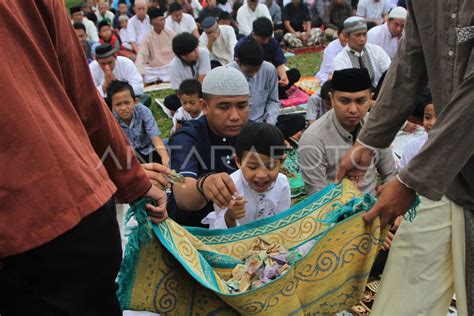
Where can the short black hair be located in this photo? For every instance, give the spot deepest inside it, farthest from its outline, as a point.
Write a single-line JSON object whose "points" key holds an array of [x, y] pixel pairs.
{"points": [[224, 15], [325, 89], [263, 138], [427, 99], [250, 53], [262, 27], [184, 43], [117, 86], [79, 26], [175, 6], [340, 27], [102, 23], [190, 87]]}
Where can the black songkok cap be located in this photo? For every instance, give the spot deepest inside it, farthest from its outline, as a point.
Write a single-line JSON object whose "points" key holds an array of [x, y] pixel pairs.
{"points": [[154, 13], [75, 9], [351, 80], [104, 50], [262, 138]]}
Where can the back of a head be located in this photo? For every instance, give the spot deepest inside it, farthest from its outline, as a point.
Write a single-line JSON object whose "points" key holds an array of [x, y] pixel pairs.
{"points": [[190, 87], [224, 15], [262, 27], [184, 43], [262, 138], [325, 89], [117, 86], [79, 26], [75, 9], [250, 53], [173, 7]]}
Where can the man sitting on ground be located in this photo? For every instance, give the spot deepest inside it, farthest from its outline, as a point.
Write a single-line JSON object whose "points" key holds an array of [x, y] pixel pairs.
{"points": [[211, 9], [109, 67], [359, 54], [180, 22], [138, 25], [88, 46], [272, 52], [324, 143], [335, 15], [220, 40], [329, 54], [155, 53], [77, 16], [373, 11], [297, 22], [248, 13]]}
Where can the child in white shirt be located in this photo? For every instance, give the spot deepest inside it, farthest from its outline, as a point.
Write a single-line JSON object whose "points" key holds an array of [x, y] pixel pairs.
{"points": [[414, 146], [190, 96], [262, 191]]}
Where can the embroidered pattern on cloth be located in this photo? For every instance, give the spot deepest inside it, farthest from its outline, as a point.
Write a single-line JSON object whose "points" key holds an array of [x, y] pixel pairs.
{"points": [[364, 56], [465, 33]]}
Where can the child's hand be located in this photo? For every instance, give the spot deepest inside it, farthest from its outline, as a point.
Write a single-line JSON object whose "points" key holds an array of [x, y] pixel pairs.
{"points": [[235, 211]]}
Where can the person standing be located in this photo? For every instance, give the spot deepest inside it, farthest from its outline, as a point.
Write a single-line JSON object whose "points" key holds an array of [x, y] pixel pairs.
{"points": [[434, 254]]}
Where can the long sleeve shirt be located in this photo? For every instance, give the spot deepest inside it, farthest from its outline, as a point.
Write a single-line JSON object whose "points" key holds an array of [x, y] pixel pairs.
{"points": [[438, 45], [155, 50], [321, 147], [263, 100], [327, 65], [55, 130], [223, 47], [138, 29], [245, 17], [380, 35]]}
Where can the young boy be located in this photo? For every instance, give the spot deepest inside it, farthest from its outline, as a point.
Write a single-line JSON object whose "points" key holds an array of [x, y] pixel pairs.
{"points": [[138, 123], [262, 191], [414, 146], [190, 96], [107, 36], [319, 104]]}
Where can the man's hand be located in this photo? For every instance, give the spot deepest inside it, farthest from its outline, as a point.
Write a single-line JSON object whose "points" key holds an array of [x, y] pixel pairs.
{"points": [[157, 174], [394, 199], [157, 213], [235, 211], [109, 77], [283, 80], [354, 164], [219, 189]]}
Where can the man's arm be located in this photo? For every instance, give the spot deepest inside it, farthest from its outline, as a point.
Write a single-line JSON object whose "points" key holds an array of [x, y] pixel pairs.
{"points": [[132, 37], [313, 163], [134, 78], [386, 165], [142, 57], [272, 107]]}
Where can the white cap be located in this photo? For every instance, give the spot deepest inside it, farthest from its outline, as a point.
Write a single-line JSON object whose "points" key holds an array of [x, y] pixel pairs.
{"points": [[354, 24], [398, 13], [225, 81]]}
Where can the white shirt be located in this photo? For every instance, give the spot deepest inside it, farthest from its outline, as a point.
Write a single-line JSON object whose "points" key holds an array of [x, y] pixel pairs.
{"points": [[91, 30], [109, 15], [123, 33], [330, 53], [223, 47], [179, 71], [370, 9], [187, 24], [138, 29], [245, 17], [411, 150], [125, 70], [259, 205], [378, 57], [182, 115], [381, 36]]}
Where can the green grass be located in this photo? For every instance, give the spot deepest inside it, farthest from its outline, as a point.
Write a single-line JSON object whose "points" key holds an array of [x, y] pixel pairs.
{"points": [[71, 3], [308, 64]]}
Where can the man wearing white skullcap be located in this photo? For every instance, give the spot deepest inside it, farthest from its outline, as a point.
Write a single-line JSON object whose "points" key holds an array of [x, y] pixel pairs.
{"points": [[388, 34], [202, 149], [360, 54]]}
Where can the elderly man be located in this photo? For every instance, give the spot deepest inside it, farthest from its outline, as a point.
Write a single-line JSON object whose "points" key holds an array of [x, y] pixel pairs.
{"points": [[155, 53], [434, 254], [202, 149], [180, 22], [248, 13], [138, 25], [388, 34], [297, 22], [324, 143], [220, 40], [78, 16], [104, 13], [359, 54], [60, 248], [109, 67]]}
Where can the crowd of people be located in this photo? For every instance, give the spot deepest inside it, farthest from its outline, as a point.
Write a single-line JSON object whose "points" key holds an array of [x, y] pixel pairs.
{"points": [[225, 61]]}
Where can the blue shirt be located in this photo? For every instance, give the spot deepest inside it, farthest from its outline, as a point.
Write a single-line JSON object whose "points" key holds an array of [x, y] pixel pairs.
{"points": [[142, 129], [195, 150], [272, 51]]}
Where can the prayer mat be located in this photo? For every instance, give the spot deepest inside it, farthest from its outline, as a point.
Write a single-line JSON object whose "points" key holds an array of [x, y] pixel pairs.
{"points": [[306, 50], [308, 84], [293, 172], [174, 270], [295, 97]]}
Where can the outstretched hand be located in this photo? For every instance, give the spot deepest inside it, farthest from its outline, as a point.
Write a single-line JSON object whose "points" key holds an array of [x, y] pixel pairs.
{"points": [[354, 164], [156, 213]]}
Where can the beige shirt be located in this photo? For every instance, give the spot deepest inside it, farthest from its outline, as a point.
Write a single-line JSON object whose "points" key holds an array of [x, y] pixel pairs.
{"points": [[155, 50], [443, 53], [321, 147]]}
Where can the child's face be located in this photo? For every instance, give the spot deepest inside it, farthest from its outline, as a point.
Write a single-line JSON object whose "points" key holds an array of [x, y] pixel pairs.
{"points": [[260, 171], [429, 117], [191, 104], [105, 33], [123, 104], [123, 24]]}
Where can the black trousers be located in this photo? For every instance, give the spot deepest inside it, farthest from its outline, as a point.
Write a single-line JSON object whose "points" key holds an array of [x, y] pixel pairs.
{"points": [[293, 75], [73, 274]]}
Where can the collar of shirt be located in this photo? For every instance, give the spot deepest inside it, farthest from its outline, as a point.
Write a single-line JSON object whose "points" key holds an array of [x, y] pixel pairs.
{"points": [[355, 53], [122, 122], [342, 131]]}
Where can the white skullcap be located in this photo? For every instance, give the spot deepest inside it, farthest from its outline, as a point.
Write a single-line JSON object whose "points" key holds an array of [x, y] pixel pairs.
{"points": [[398, 13], [354, 24], [225, 81]]}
